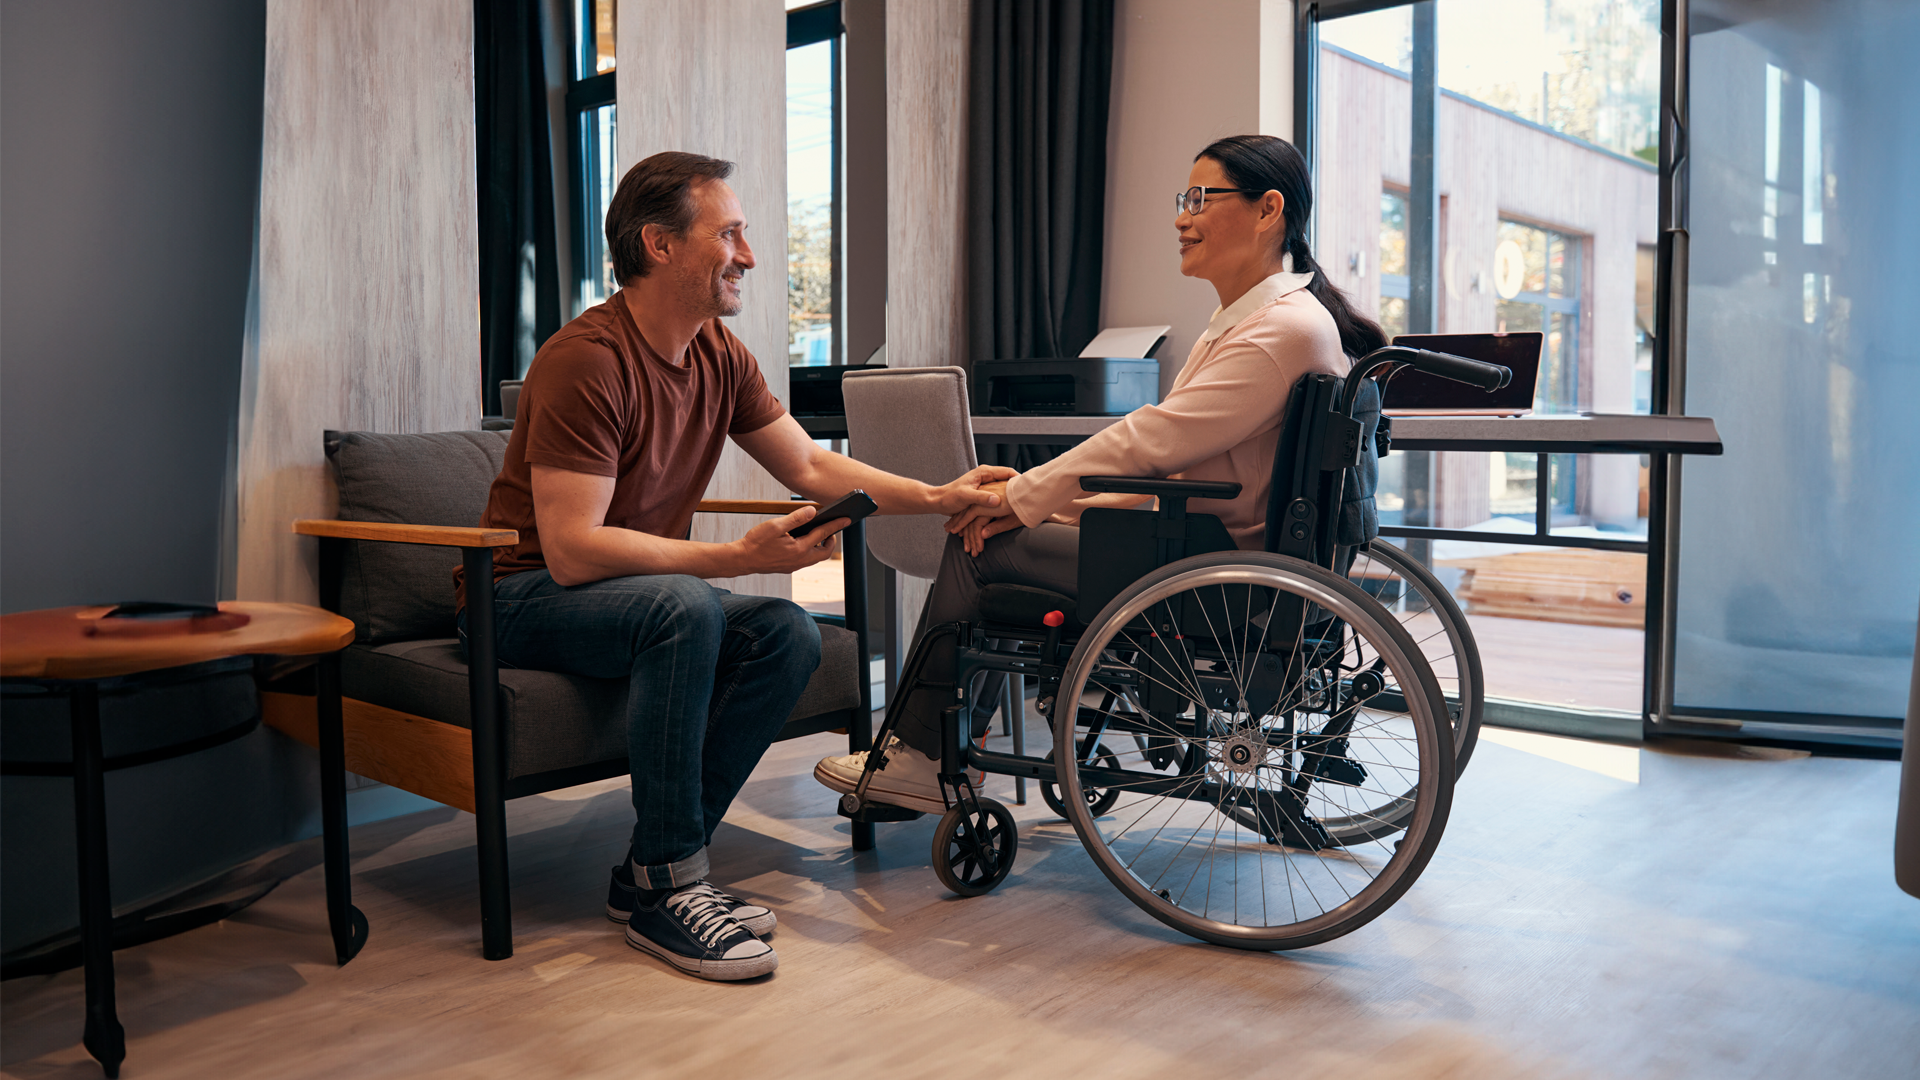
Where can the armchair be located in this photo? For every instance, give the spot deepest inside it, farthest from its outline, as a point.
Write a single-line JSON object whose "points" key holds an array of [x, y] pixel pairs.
{"points": [[461, 730]]}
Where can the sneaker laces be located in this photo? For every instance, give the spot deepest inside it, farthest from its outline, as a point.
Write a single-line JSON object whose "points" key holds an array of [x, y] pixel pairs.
{"points": [[704, 911]]}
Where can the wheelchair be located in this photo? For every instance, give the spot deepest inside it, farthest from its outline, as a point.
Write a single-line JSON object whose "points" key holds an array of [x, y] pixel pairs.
{"points": [[1257, 750]]}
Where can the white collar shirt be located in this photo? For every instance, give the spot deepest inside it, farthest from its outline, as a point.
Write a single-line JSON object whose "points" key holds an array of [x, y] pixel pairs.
{"points": [[1266, 292]]}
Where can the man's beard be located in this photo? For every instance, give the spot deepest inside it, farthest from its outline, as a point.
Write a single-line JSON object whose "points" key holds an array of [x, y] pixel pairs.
{"points": [[708, 295]]}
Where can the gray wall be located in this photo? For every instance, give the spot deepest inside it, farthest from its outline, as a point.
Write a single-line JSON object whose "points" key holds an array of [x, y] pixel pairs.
{"points": [[1164, 111], [129, 180], [128, 185]]}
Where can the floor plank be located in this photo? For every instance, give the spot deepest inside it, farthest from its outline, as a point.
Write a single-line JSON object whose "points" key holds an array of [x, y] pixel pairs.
{"points": [[1726, 915]]}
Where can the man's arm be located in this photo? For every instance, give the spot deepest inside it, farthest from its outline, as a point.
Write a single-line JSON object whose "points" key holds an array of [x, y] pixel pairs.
{"points": [[570, 510], [795, 460]]}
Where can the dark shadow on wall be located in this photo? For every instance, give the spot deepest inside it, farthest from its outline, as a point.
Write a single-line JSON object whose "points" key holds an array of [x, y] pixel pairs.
{"points": [[129, 188]]}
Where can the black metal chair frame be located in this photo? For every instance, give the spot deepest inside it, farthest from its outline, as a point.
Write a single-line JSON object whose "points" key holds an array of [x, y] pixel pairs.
{"points": [[492, 788]]}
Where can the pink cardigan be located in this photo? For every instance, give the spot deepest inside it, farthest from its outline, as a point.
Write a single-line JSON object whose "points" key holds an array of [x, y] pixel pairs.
{"points": [[1221, 420]]}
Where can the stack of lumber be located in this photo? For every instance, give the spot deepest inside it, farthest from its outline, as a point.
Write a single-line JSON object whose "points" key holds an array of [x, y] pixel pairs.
{"points": [[1597, 588]]}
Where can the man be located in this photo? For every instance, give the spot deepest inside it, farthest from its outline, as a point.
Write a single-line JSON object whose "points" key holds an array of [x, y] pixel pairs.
{"points": [[620, 424]]}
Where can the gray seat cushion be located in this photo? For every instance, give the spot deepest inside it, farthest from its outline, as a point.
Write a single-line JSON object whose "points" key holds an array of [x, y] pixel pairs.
{"points": [[553, 720], [397, 592]]}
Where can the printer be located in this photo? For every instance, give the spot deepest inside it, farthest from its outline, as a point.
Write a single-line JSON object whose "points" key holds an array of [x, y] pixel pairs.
{"points": [[1114, 375], [815, 391]]}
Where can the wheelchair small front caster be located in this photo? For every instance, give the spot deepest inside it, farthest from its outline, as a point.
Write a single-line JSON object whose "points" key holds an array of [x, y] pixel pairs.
{"points": [[974, 846], [1099, 800]]}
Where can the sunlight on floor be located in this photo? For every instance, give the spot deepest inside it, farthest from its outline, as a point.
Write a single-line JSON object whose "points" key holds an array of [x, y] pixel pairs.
{"points": [[1618, 762], [820, 587]]}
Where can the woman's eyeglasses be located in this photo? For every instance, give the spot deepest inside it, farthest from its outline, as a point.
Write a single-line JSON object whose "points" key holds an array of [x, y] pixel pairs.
{"points": [[1194, 199]]}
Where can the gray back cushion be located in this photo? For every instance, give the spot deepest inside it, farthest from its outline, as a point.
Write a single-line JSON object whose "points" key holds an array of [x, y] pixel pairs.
{"points": [[911, 422], [396, 592]]}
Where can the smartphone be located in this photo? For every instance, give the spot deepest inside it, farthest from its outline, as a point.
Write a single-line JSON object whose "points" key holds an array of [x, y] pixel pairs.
{"points": [[853, 506]]}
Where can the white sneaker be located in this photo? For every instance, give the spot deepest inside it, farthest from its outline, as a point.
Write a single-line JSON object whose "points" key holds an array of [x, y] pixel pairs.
{"points": [[911, 778]]}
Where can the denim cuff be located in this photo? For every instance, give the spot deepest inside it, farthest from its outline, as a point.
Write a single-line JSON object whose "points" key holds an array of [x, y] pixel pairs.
{"points": [[671, 875]]}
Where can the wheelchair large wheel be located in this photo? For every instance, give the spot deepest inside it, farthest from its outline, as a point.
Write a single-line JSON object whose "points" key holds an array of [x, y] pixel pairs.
{"points": [[1429, 614], [1248, 746]]}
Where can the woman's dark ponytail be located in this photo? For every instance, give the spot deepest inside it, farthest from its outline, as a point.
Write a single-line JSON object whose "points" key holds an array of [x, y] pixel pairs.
{"points": [[1265, 163]]}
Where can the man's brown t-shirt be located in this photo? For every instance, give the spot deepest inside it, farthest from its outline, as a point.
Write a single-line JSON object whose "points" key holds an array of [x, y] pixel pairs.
{"points": [[599, 400]]}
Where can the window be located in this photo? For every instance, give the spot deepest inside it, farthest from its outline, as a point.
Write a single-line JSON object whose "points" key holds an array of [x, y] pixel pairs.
{"points": [[1537, 277], [1544, 183], [1393, 262], [813, 185], [596, 165], [1799, 343]]}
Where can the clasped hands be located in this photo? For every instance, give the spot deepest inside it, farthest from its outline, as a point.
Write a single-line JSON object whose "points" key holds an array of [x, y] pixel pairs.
{"points": [[977, 522]]}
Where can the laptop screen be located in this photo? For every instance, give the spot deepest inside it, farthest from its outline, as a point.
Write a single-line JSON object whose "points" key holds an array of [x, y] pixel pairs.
{"points": [[1409, 391]]}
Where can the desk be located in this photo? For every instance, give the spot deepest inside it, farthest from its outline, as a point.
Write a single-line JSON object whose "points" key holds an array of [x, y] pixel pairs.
{"points": [[1585, 434], [55, 647], [1540, 435]]}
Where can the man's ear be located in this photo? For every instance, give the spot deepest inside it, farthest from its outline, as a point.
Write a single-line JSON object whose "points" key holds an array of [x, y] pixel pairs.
{"points": [[656, 241]]}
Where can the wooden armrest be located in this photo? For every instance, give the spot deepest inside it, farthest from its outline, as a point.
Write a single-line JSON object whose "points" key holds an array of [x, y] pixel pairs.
{"points": [[752, 506], [437, 535]]}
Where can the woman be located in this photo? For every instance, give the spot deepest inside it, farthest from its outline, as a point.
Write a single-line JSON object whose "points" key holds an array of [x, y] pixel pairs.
{"points": [[1242, 226]]}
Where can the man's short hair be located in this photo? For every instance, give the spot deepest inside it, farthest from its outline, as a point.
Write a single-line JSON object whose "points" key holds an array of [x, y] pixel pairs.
{"points": [[657, 191]]}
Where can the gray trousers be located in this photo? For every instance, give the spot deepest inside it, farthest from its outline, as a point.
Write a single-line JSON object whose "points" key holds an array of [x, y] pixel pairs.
{"points": [[1047, 557]]}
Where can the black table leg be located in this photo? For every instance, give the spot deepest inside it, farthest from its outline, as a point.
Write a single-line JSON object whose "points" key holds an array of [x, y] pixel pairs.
{"points": [[349, 926], [104, 1038]]}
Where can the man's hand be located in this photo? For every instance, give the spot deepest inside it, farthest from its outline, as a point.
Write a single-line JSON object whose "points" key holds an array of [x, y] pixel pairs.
{"points": [[985, 485], [768, 549], [990, 502], [978, 522]]}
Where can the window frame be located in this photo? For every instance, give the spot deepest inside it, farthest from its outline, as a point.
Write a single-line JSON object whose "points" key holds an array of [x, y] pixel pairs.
{"points": [[811, 25], [585, 95]]}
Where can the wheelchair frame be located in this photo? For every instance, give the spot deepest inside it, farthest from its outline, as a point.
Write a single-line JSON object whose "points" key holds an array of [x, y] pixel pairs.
{"points": [[1313, 529]]}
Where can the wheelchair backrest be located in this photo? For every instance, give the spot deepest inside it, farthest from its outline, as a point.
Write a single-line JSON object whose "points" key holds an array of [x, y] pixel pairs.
{"points": [[1325, 472], [1323, 459]]}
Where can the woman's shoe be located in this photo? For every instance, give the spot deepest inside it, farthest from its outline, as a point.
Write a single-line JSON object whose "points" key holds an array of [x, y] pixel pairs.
{"points": [[910, 779]]}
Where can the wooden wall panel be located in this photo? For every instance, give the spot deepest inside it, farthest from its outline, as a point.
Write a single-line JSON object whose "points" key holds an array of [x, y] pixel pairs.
{"points": [[709, 77], [368, 312], [926, 181], [927, 198]]}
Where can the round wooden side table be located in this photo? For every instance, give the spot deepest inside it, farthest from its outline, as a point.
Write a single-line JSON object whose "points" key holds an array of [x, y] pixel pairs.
{"points": [[70, 650]]}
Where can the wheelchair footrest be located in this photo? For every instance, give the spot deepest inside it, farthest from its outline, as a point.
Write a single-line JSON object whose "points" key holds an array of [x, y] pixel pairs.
{"points": [[875, 813]]}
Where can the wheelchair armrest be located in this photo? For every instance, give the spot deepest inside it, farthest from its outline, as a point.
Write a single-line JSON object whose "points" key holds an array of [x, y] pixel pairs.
{"points": [[1160, 488]]}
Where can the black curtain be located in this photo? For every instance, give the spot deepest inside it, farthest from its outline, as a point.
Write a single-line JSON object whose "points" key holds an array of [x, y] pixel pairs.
{"points": [[519, 255], [1037, 175]]}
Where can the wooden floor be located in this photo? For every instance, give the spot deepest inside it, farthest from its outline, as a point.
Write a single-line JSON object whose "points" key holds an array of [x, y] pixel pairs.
{"points": [[1724, 915], [1528, 660]]}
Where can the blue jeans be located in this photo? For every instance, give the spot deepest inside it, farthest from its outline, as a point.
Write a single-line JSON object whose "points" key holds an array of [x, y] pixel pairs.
{"points": [[711, 678]]}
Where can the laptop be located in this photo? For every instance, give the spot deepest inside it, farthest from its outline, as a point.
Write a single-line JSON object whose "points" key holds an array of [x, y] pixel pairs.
{"points": [[1415, 393]]}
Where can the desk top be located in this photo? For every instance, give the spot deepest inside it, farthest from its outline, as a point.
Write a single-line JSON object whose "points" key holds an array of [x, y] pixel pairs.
{"points": [[1602, 433], [54, 643], [1590, 434]]}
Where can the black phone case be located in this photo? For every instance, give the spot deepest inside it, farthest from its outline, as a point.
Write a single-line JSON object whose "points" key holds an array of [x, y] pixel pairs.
{"points": [[854, 505]]}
